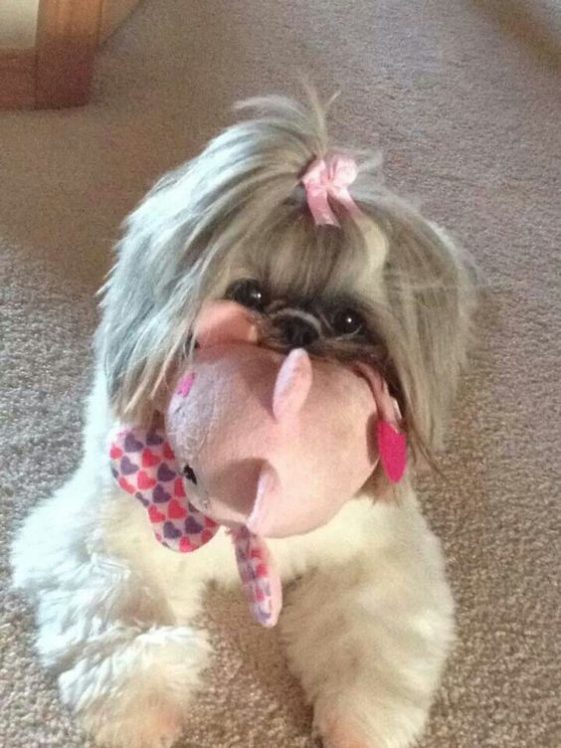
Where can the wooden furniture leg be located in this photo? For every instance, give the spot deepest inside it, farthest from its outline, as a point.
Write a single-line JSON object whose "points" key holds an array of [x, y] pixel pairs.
{"points": [[67, 38], [57, 71]]}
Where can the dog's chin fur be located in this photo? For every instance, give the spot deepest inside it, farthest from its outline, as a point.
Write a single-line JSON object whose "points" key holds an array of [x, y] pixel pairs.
{"points": [[368, 632]]}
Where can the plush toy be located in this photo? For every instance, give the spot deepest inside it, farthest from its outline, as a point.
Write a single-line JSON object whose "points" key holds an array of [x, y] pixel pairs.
{"points": [[245, 428]]}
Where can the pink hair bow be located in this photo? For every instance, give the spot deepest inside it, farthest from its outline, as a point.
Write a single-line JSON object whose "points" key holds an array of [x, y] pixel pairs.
{"points": [[326, 179]]}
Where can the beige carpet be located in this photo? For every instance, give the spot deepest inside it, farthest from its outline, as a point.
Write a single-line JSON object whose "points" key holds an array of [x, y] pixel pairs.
{"points": [[465, 100]]}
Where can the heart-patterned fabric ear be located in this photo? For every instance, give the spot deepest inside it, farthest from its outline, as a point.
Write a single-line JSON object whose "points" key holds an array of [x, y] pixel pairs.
{"points": [[143, 464], [260, 579]]}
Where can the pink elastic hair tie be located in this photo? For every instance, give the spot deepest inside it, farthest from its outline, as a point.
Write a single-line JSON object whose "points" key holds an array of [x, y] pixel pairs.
{"points": [[330, 178]]}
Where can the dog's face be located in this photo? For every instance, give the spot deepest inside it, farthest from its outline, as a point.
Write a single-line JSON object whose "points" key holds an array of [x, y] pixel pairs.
{"points": [[329, 322], [388, 289], [336, 326]]}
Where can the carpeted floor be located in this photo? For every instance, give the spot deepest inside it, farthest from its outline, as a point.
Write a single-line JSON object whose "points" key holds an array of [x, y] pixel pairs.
{"points": [[464, 97]]}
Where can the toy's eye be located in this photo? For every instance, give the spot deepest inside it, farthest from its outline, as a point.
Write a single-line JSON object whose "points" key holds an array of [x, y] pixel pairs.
{"points": [[248, 293], [189, 473], [347, 321]]}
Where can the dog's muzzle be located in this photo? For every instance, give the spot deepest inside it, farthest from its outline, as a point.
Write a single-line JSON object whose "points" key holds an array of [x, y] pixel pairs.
{"points": [[295, 329]]}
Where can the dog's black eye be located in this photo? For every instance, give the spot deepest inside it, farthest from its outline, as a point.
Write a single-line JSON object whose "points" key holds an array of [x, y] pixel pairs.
{"points": [[248, 293], [347, 321]]}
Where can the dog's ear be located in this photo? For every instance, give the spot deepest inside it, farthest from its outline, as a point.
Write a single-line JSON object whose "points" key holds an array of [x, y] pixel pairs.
{"points": [[151, 299], [428, 292]]}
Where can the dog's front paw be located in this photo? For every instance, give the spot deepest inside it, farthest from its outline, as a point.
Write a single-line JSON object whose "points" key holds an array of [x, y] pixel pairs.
{"points": [[357, 723], [140, 713], [332, 730], [135, 691], [153, 726]]}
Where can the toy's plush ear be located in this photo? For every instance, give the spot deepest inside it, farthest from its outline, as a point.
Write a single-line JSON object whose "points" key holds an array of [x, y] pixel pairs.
{"points": [[144, 465], [224, 322], [293, 384]]}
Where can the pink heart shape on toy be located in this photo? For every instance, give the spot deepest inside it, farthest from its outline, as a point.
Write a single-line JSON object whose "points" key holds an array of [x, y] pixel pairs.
{"points": [[175, 510], [155, 515], [144, 481], [392, 447], [178, 489], [185, 385], [149, 459], [186, 545], [126, 486], [115, 452], [168, 452], [261, 570]]}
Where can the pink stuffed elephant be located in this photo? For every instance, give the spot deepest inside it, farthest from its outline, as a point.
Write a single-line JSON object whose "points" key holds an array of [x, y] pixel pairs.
{"points": [[246, 429]]}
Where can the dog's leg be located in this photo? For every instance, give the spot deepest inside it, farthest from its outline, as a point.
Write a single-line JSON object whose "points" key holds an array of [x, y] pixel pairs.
{"points": [[115, 609], [368, 639], [123, 647]]}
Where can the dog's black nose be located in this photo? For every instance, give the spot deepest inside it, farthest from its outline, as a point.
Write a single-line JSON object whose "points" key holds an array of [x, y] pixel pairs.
{"points": [[296, 332]]}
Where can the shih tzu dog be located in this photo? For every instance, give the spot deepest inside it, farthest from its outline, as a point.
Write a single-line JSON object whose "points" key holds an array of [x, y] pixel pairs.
{"points": [[348, 272]]}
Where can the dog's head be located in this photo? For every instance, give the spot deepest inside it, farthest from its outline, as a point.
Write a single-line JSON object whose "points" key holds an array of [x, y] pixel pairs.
{"points": [[387, 288]]}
